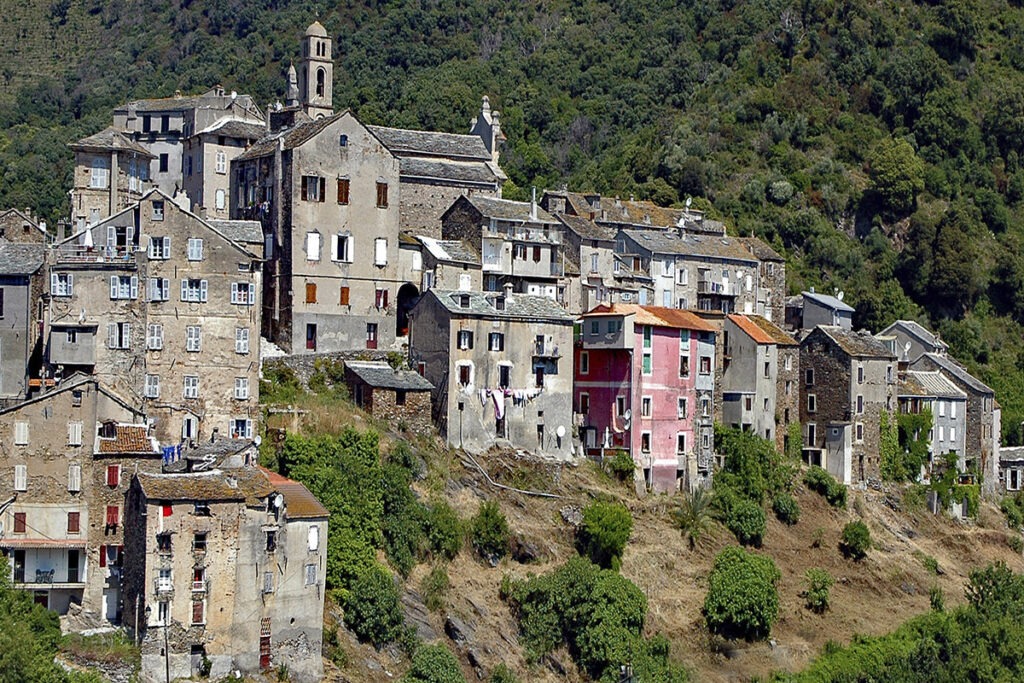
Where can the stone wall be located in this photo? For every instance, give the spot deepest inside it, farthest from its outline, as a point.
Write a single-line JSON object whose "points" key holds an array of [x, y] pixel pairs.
{"points": [[415, 414]]}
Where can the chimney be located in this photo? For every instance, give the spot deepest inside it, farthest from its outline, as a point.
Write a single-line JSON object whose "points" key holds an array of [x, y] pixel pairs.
{"points": [[508, 292], [533, 205], [213, 434], [232, 481]]}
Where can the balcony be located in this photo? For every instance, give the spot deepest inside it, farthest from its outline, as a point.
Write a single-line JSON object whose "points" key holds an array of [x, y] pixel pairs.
{"points": [[717, 288], [76, 253], [543, 236], [546, 350], [163, 586]]}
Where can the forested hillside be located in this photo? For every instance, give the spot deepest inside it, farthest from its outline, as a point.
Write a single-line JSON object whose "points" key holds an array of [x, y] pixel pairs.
{"points": [[876, 143]]}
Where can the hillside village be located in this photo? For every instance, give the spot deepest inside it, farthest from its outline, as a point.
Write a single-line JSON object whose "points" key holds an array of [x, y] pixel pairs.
{"points": [[206, 234]]}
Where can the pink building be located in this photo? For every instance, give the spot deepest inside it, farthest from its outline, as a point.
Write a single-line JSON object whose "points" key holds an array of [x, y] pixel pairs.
{"points": [[644, 383]]}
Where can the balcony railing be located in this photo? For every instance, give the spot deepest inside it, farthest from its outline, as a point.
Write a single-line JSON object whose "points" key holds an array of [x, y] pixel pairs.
{"points": [[546, 350], [717, 288], [101, 254], [163, 586]]}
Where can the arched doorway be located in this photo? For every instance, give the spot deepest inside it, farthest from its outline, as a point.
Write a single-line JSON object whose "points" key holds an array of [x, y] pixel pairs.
{"points": [[408, 295]]}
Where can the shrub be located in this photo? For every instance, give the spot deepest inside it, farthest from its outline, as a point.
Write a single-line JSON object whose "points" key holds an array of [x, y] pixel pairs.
{"points": [[444, 530], [855, 540], [372, 607], [403, 519], [818, 537], [622, 466], [936, 599], [435, 587], [489, 532], [503, 674], [931, 564], [604, 533], [786, 509], [746, 520], [1013, 508], [821, 482], [1016, 544], [742, 599], [693, 516], [819, 582], [434, 664]]}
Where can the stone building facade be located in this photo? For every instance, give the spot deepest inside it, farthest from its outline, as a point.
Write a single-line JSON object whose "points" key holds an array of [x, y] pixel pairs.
{"points": [[22, 227], [395, 396], [21, 305], [501, 367], [227, 565], [111, 174], [163, 307]]}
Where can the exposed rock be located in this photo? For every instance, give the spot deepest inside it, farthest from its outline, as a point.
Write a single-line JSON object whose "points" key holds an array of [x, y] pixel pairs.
{"points": [[523, 551], [572, 515], [417, 616], [458, 630]]}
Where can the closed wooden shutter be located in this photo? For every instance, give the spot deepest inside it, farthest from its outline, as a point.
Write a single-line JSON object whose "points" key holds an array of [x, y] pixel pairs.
{"points": [[310, 293], [344, 296]]}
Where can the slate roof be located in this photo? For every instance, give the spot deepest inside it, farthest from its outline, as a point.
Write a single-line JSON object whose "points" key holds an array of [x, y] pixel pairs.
{"points": [[751, 329], [298, 501], [659, 316], [828, 301], [506, 209], [625, 210], [960, 372], [519, 306], [935, 384], [251, 485], [181, 102], [293, 137], [857, 344], [404, 142], [1011, 453], [246, 232], [455, 251], [21, 259], [910, 386], [110, 140], [665, 242], [778, 335], [383, 376], [586, 228], [233, 128], [128, 439], [760, 249], [463, 171], [914, 329]]}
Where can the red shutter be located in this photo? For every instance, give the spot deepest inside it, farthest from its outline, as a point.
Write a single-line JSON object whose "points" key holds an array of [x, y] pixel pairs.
{"points": [[73, 521], [167, 509], [113, 515], [113, 475], [19, 522], [344, 296], [103, 556], [197, 612]]}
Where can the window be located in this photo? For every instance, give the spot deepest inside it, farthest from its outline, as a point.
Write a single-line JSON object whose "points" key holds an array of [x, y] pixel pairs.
{"points": [[193, 338], [74, 478], [860, 373], [100, 173], [342, 139], [496, 341], [942, 408], [684, 366], [647, 364], [62, 284], [380, 298], [343, 190], [201, 509], [191, 386], [342, 249], [465, 375], [159, 289], [199, 578], [271, 541], [812, 403], [241, 388], [465, 340], [220, 199], [243, 293], [682, 275], [242, 340], [195, 249], [620, 406], [380, 251], [593, 262], [681, 408], [124, 287], [538, 376], [942, 433], [645, 406], [19, 522], [113, 515], [241, 428], [371, 335], [165, 123], [767, 369], [645, 442], [76, 398], [809, 376], [584, 363], [21, 477], [313, 188], [198, 611], [113, 475], [343, 297], [221, 163], [310, 292], [789, 362], [504, 376], [536, 254], [859, 431], [74, 520], [705, 365], [952, 410], [519, 252], [952, 433], [158, 210], [164, 165], [152, 386], [268, 582], [812, 433], [119, 335], [705, 407], [860, 404], [312, 246], [160, 248], [189, 427], [584, 405], [382, 195], [647, 336], [310, 574], [464, 301], [680, 443], [313, 539]]}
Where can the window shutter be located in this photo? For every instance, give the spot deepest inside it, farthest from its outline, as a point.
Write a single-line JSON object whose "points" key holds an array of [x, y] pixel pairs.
{"points": [[71, 284], [167, 247], [154, 289], [103, 556], [21, 477], [113, 515], [74, 478], [234, 292], [126, 341], [113, 287], [112, 335], [53, 283], [111, 236], [165, 289], [135, 287], [304, 191], [321, 195], [380, 252], [202, 290], [184, 290], [344, 296]]}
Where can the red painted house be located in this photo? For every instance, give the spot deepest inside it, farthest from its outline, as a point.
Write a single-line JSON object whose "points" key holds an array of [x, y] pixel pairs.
{"points": [[644, 383]]}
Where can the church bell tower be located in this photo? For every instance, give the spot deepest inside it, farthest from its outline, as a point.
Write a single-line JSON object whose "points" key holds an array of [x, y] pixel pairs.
{"points": [[315, 82]]}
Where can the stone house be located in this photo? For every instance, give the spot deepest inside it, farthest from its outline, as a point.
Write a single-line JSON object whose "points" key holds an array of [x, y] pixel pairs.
{"points": [[820, 309], [914, 340], [1011, 470], [644, 385], [207, 156], [449, 264], [771, 289], [225, 565], [921, 390], [163, 307], [21, 305], [519, 244], [787, 383], [22, 227], [501, 369], [393, 395], [849, 378], [66, 458], [111, 174]]}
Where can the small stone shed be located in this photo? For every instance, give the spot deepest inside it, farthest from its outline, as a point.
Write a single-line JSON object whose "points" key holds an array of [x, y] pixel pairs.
{"points": [[390, 394]]}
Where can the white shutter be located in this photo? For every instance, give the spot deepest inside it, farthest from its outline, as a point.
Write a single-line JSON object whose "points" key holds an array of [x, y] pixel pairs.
{"points": [[126, 342], [241, 340], [74, 433], [202, 291], [313, 246], [184, 290], [70, 287], [111, 236], [167, 248], [335, 244], [154, 289], [380, 251], [112, 335], [465, 282], [234, 292], [165, 289], [21, 477], [113, 286], [135, 287], [74, 478], [21, 433], [54, 283]]}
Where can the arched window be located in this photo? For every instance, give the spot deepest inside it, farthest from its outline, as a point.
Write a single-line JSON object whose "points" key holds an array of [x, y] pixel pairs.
{"points": [[321, 77]]}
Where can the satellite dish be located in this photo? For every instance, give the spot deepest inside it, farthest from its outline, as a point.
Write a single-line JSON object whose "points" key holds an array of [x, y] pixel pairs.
{"points": [[560, 432], [689, 200], [840, 295], [628, 414], [257, 440], [278, 500]]}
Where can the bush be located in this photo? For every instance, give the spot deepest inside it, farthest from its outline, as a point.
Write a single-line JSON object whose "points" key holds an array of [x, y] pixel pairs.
{"points": [[693, 516], [444, 530], [604, 533], [1013, 508], [435, 587], [819, 582], [855, 540], [742, 599], [1016, 544], [746, 520], [786, 509], [503, 674], [434, 664], [622, 466], [489, 532], [821, 482], [372, 608]]}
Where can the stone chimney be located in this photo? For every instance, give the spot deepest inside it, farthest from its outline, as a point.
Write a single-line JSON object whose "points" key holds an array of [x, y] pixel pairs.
{"points": [[487, 125]]}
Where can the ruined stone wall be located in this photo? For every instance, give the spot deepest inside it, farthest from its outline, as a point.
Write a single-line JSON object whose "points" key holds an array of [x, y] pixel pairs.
{"points": [[414, 414]]}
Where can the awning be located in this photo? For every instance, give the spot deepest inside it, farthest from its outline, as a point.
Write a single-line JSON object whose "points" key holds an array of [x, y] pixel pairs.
{"points": [[41, 543]]}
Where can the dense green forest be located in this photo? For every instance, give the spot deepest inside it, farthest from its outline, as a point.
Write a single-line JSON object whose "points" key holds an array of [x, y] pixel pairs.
{"points": [[876, 143]]}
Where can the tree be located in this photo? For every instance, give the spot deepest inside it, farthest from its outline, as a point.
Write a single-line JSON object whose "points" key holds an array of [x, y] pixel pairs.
{"points": [[604, 533], [434, 664], [819, 582], [692, 516], [742, 599], [489, 531], [897, 175], [372, 607], [855, 540]]}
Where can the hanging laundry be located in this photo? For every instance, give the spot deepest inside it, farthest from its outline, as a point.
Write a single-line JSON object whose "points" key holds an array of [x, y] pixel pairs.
{"points": [[498, 396]]}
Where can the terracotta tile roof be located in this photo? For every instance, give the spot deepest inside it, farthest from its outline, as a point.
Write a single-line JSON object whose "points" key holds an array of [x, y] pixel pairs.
{"points": [[751, 329], [299, 502], [129, 439], [658, 316], [246, 484], [778, 335]]}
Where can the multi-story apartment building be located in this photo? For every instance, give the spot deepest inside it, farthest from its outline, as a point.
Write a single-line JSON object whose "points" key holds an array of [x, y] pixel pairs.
{"points": [[501, 367], [849, 378], [787, 382], [163, 307], [920, 391], [21, 302], [66, 458], [207, 156], [644, 384], [111, 173], [225, 565]]}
